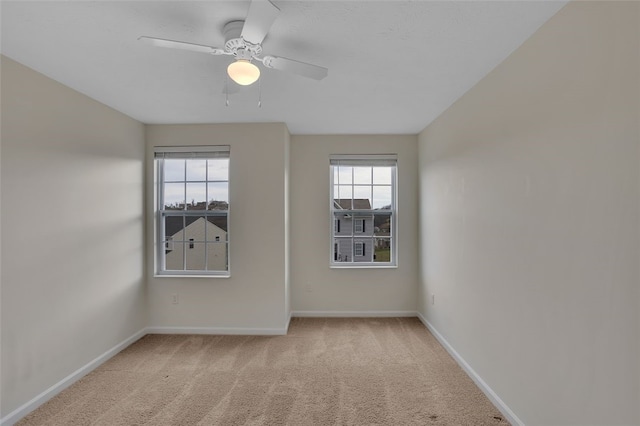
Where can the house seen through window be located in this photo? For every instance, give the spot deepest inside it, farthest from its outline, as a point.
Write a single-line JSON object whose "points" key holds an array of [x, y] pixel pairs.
{"points": [[192, 219], [363, 210]]}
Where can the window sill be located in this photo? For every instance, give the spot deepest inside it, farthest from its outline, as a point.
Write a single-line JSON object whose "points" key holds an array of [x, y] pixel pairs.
{"points": [[190, 276], [365, 266]]}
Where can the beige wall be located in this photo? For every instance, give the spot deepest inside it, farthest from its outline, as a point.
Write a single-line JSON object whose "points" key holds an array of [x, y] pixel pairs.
{"points": [[316, 287], [529, 207], [254, 298], [72, 240]]}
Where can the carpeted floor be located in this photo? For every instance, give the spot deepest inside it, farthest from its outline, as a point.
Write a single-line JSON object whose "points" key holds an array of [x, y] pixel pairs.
{"points": [[326, 371]]}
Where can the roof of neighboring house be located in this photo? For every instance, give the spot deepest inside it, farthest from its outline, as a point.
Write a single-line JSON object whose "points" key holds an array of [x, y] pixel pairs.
{"points": [[358, 203]]}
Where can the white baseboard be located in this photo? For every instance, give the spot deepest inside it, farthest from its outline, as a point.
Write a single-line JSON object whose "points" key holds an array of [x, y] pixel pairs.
{"points": [[493, 397], [286, 327], [353, 314], [218, 330], [45, 396]]}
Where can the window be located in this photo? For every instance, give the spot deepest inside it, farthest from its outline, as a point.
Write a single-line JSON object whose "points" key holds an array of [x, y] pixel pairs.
{"points": [[363, 210], [192, 194]]}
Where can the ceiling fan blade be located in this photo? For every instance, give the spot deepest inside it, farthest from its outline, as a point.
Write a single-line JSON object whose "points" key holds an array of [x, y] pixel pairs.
{"points": [[261, 15], [172, 44], [301, 68]]}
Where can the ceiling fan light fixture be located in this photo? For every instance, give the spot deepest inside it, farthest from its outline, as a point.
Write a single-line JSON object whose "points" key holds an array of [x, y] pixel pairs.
{"points": [[243, 72]]}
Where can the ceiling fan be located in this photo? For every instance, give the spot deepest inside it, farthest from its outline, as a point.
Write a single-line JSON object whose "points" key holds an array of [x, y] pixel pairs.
{"points": [[243, 41]]}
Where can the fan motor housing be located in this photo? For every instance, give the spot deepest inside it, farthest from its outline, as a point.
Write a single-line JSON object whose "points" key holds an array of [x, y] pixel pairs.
{"points": [[234, 43]]}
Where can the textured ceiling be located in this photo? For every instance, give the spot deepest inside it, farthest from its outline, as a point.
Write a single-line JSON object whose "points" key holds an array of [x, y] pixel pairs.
{"points": [[394, 66]]}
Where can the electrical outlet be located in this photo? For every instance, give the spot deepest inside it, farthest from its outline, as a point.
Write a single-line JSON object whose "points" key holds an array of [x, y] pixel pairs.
{"points": [[175, 299], [433, 299], [309, 287]]}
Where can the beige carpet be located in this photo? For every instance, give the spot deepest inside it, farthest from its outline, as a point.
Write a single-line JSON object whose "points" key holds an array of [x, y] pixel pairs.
{"points": [[326, 371]]}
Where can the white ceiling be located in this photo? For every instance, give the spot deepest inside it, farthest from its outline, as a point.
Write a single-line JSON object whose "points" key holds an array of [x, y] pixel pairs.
{"points": [[394, 66]]}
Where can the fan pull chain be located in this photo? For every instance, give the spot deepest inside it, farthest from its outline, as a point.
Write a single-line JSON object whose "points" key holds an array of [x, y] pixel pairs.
{"points": [[259, 93], [226, 91]]}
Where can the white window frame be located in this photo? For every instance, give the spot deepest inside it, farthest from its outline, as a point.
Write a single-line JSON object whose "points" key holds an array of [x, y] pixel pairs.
{"points": [[186, 152], [358, 249], [363, 160]]}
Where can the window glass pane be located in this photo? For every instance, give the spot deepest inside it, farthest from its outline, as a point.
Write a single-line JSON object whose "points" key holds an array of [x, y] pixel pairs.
{"points": [[382, 197], [342, 224], [382, 225], [173, 196], [344, 175], [217, 257], [174, 259], [362, 197], [342, 196], [217, 253], [218, 169], [168, 244], [382, 175], [382, 250], [363, 249], [217, 228], [196, 170], [343, 250], [174, 243], [196, 196], [173, 170], [218, 195], [173, 228], [195, 259], [195, 228], [362, 175]]}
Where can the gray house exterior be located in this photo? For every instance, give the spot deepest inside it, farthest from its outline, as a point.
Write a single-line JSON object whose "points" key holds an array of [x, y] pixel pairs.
{"points": [[353, 232]]}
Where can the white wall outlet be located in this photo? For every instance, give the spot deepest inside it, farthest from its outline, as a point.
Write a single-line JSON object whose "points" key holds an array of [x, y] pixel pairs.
{"points": [[175, 299], [309, 287]]}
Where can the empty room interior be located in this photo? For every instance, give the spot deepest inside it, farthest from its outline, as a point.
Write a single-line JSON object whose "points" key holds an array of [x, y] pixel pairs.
{"points": [[458, 180]]}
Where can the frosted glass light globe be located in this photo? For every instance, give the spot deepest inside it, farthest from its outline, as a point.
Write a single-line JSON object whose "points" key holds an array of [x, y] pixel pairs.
{"points": [[243, 72]]}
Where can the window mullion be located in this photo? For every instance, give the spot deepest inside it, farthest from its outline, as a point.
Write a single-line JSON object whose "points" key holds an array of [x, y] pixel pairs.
{"points": [[184, 207], [206, 217], [353, 186], [184, 221], [371, 188], [206, 239], [184, 243]]}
